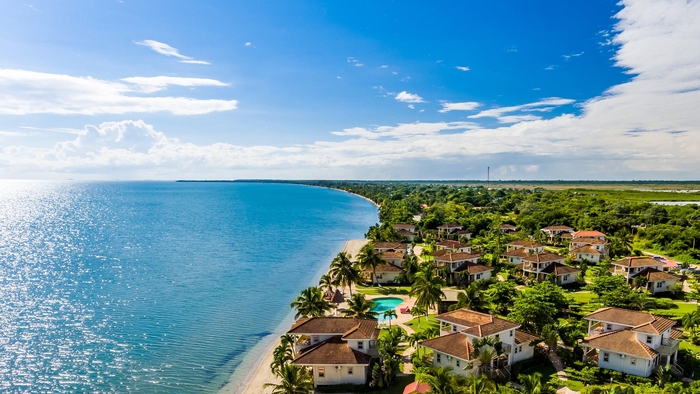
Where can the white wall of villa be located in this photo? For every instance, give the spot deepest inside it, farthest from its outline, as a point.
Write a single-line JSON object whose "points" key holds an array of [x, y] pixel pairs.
{"points": [[339, 374], [523, 352], [593, 258], [566, 279], [626, 363], [660, 286], [629, 272], [458, 365], [387, 277]]}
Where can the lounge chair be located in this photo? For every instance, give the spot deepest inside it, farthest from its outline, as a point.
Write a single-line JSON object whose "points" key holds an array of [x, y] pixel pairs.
{"points": [[405, 310]]}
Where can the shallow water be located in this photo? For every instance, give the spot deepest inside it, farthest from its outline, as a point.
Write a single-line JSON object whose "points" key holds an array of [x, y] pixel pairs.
{"points": [[154, 286]]}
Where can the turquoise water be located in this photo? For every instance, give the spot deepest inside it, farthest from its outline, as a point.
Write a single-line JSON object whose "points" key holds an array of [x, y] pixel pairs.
{"points": [[384, 304], [154, 286]]}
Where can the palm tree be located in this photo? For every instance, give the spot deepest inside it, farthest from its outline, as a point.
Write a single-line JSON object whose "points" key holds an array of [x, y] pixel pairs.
{"points": [[310, 303], [532, 384], [283, 354], [409, 268], [369, 259], [441, 381], [485, 354], [426, 288], [326, 284], [418, 311], [480, 385], [359, 306], [621, 390], [550, 336], [642, 301], [622, 243], [343, 271], [293, 380], [471, 298], [690, 321], [390, 314]]}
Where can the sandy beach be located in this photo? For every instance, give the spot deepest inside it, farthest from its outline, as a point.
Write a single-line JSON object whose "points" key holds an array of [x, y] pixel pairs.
{"points": [[260, 372]]}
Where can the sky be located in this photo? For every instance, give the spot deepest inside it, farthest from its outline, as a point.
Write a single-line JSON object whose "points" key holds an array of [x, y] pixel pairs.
{"points": [[395, 90]]}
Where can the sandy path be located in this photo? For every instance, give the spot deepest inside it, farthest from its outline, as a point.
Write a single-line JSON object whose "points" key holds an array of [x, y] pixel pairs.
{"points": [[262, 373]]}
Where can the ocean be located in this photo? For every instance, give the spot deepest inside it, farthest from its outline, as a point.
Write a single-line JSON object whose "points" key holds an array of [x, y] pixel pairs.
{"points": [[159, 287]]}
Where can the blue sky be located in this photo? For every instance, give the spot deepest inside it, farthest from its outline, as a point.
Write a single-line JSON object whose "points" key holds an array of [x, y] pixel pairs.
{"points": [[348, 90]]}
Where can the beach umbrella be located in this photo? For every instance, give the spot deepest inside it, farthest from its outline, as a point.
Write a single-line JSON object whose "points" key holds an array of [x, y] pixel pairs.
{"points": [[338, 297]]}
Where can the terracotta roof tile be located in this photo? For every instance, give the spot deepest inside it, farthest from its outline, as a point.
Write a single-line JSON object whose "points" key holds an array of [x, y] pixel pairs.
{"points": [[388, 267], [479, 324], [404, 226], [635, 261], [543, 257], [621, 341], [560, 269], [389, 245], [675, 333], [329, 325], [588, 233], [449, 226], [332, 351], [587, 240], [392, 254], [516, 253], [585, 249], [654, 275], [455, 257], [626, 317], [558, 227], [526, 243], [364, 329], [450, 244], [473, 268], [523, 337], [455, 344]]}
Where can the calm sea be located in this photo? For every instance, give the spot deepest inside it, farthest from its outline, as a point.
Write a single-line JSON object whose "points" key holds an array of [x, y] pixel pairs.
{"points": [[155, 286]]}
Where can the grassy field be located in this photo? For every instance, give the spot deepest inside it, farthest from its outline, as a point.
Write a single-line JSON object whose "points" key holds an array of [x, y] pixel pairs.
{"points": [[386, 290], [424, 325], [676, 313], [582, 297], [399, 384]]}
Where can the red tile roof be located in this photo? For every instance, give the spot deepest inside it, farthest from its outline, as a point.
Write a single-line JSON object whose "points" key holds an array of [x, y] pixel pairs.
{"points": [[479, 324], [585, 249], [332, 325], [456, 257], [635, 261], [586, 240], [473, 268], [626, 317], [332, 351], [526, 243], [560, 269], [654, 275], [621, 341], [393, 254], [516, 253], [455, 345], [588, 233], [523, 337], [389, 245], [404, 226], [543, 257], [450, 244], [552, 228]]}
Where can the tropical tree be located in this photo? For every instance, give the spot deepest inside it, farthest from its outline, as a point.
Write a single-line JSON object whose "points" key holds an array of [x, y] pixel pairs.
{"points": [[479, 385], [368, 259], [343, 271], [325, 283], [310, 303], [690, 322], [283, 354], [427, 288], [485, 354], [409, 268], [621, 390], [471, 298], [502, 295], [442, 381], [293, 380], [359, 306], [550, 336], [621, 244], [419, 311], [390, 315], [532, 384]]}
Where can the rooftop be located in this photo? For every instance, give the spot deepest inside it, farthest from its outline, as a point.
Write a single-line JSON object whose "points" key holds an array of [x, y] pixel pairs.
{"points": [[456, 257], [330, 352], [543, 257], [621, 341], [455, 345], [588, 233], [627, 317], [334, 325], [637, 261], [478, 324]]}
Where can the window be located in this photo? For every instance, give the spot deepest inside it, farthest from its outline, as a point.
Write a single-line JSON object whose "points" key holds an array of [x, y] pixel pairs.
{"points": [[511, 333], [566, 277], [633, 361], [608, 327], [360, 344], [521, 349], [498, 336], [454, 328], [516, 350], [478, 276], [458, 363], [315, 338], [349, 370], [606, 357], [659, 284], [321, 372], [649, 339], [439, 359]]}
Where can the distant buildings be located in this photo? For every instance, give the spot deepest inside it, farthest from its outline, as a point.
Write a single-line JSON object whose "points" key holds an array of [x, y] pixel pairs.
{"points": [[656, 280]]}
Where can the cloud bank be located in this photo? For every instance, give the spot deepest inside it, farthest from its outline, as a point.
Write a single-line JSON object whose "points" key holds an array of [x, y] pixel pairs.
{"points": [[167, 50]]}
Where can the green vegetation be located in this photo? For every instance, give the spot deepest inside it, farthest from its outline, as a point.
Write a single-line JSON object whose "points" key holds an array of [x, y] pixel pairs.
{"points": [[423, 324]]}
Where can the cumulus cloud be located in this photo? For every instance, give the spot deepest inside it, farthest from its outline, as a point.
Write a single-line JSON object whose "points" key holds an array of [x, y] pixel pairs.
{"points": [[27, 92], [406, 97], [644, 128], [167, 50], [463, 106]]}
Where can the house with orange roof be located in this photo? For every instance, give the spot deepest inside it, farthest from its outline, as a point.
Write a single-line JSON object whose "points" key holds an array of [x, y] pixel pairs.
{"points": [[630, 341], [542, 265], [588, 234], [553, 231], [657, 281], [453, 246], [507, 228], [591, 249], [407, 231], [338, 350], [455, 346], [464, 267], [448, 228], [518, 250]]}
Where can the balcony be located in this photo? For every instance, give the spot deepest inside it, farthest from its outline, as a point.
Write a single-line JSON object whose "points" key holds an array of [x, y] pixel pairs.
{"points": [[668, 346], [597, 328]]}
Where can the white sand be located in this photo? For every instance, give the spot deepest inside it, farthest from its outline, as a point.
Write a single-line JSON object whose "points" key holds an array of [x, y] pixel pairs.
{"points": [[254, 382]]}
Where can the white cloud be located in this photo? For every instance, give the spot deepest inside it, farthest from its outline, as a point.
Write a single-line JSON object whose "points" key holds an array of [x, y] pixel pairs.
{"points": [[411, 106], [645, 128], [463, 106], [499, 113], [550, 67], [406, 97], [462, 68], [248, 44], [167, 50], [27, 92], [384, 66], [154, 84], [567, 57]]}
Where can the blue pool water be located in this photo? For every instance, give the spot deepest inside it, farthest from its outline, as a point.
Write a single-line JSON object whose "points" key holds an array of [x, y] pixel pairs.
{"points": [[159, 287], [384, 304]]}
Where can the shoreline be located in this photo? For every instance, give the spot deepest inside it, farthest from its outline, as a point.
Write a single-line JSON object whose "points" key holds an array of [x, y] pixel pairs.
{"points": [[260, 373]]}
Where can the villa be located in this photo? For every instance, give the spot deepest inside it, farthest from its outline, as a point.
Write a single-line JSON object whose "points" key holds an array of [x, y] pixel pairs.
{"points": [[394, 257], [542, 265], [453, 246], [553, 231], [381, 247], [386, 274], [507, 228], [520, 249], [657, 281], [458, 329], [464, 233], [592, 249], [448, 228], [406, 230], [630, 341], [338, 350]]}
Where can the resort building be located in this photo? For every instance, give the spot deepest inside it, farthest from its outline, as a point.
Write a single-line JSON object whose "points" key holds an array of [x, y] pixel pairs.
{"points": [[592, 249], [588, 234], [630, 341], [553, 231], [407, 231], [381, 247], [394, 257], [337, 349], [520, 249], [464, 233], [657, 281], [541, 265], [507, 228], [464, 267], [453, 246], [386, 274], [458, 330], [449, 228]]}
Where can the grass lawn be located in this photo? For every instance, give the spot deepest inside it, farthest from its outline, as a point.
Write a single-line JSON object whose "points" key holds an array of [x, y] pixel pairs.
{"points": [[385, 331], [582, 297], [548, 372], [676, 313], [385, 290], [687, 345], [398, 385], [423, 324]]}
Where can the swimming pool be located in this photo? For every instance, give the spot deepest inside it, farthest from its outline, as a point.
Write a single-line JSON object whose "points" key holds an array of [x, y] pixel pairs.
{"points": [[385, 304]]}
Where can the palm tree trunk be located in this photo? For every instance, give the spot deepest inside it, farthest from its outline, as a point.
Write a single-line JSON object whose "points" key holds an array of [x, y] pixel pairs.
{"points": [[374, 275]]}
